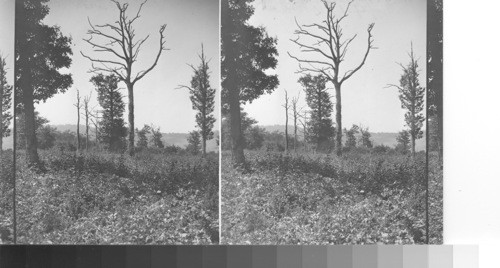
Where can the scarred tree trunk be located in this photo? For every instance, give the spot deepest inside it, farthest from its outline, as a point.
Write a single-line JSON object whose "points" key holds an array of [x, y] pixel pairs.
{"points": [[338, 119], [131, 143], [30, 129], [236, 133]]}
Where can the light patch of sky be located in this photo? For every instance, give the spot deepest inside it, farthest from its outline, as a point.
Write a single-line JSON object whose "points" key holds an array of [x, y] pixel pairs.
{"points": [[157, 101], [365, 100]]}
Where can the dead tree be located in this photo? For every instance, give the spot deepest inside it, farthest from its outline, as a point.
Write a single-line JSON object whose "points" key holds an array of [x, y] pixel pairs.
{"points": [[121, 45], [303, 121], [331, 48], [87, 111], [78, 106], [286, 106], [296, 114]]}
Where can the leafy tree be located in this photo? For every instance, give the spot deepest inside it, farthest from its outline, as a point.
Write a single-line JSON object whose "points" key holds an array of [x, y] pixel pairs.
{"points": [[203, 100], [112, 131], [403, 140], [247, 53], [142, 136], [120, 36], [365, 137], [40, 52], [156, 137], [320, 127], [246, 123], [412, 97], [5, 102], [350, 135], [328, 33], [40, 122], [194, 142]]}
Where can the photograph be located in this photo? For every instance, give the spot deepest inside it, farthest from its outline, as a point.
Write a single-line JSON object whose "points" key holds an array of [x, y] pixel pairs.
{"points": [[117, 107], [324, 123]]}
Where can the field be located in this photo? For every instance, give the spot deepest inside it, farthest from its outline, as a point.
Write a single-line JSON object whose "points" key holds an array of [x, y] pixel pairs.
{"points": [[361, 198], [104, 198]]}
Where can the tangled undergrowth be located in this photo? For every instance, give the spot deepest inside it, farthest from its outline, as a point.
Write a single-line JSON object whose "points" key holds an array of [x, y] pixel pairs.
{"points": [[104, 198], [320, 199]]}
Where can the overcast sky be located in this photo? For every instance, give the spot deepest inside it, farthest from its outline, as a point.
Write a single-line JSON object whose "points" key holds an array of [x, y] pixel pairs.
{"points": [[157, 101], [365, 101]]}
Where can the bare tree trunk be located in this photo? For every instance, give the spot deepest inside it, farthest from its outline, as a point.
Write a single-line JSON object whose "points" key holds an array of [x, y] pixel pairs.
{"points": [[77, 105], [131, 133], [86, 129], [236, 133], [338, 119], [30, 129], [286, 121]]}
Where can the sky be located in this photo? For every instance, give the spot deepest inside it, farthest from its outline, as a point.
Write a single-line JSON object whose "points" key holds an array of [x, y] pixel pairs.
{"points": [[365, 100], [157, 101]]}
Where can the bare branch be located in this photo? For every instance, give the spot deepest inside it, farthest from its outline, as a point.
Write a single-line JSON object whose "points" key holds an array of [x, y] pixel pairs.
{"points": [[141, 74], [348, 74]]}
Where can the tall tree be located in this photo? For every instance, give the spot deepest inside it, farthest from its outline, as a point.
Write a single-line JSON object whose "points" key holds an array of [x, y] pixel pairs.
{"points": [[112, 131], [122, 45], [247, 53], [40, 122], [5, 102], [194, 141], [320, 126], [78, 106], [286, 106], [203, 100], [412, 97], [332, 48], [40, 51]]}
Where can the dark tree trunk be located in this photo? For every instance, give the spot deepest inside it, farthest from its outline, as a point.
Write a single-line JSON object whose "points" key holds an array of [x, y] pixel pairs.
{"points": [[338, 119], [1, 114], [131, 143], [30, 129], [86, 129], [412, 145], [204, 146], [236, 133]]}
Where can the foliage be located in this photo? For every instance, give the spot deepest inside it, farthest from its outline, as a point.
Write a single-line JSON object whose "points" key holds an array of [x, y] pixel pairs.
{"points": [[6, 224], [105, 198], [246, 124], [112, 126], [320, 127], [5, 100], [194, 142], [320, 199], [254, 137]]}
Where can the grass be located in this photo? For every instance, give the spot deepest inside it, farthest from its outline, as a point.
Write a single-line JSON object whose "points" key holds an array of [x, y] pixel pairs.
{"points": [[105, 198], [361, 198]]}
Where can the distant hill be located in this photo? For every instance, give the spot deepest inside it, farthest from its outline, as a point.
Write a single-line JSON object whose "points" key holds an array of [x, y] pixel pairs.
{"points": [[385, 138], [178, 139]]}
